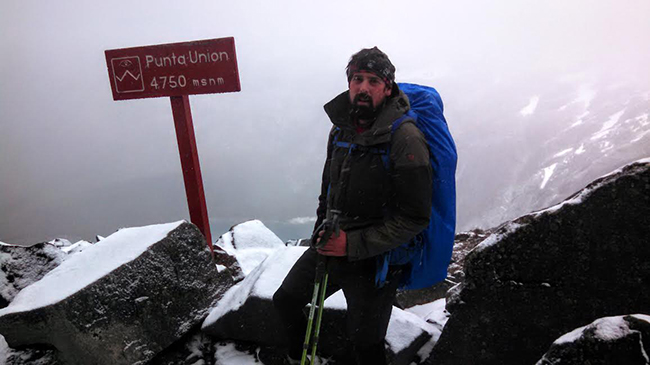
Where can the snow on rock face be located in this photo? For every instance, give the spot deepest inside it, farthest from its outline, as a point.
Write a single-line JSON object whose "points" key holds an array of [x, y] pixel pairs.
{"points": [[22, 266], [434, 313], [250, 243], [88, 266], [620, 340], [262, 282], [401, 336], [122, 300]]}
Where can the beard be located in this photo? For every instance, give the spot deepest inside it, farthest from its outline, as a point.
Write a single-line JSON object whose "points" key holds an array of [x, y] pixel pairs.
{"points": [[364, 111]]}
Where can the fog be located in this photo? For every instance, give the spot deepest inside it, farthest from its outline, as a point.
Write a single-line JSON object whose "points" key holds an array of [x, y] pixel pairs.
{"points": [[75, 163]]}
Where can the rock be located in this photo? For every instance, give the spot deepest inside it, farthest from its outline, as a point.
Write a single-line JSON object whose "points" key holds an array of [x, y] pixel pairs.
{"points": [[246, 313], [21, 266], [34, 355], [610, 340], [194, 348], [122, 300], [548, 272]]}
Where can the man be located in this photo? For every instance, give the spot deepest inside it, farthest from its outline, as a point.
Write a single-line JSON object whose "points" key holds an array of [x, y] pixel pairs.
{"points": [[383, 205]]}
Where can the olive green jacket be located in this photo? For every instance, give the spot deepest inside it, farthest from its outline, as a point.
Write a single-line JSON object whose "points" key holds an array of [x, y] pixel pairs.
{"points": [[382, 208]]}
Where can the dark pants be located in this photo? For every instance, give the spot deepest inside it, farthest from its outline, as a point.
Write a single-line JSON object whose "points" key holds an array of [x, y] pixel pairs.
{"points": [[369, 307]]}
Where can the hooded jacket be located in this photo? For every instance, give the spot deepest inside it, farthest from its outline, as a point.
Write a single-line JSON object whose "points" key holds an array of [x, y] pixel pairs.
{"points": [[382, 206]]}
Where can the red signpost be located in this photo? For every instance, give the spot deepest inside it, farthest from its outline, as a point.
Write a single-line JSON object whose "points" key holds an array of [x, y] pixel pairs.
{"points": [[178, 70]]}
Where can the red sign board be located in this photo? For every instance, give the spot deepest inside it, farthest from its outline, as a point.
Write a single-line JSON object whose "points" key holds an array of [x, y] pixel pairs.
{"points": [[175, 69]]}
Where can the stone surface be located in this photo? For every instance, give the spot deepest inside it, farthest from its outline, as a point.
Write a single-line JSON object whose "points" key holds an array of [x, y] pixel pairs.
{"points": [[132, 313], [21, 266], [621, 340], [549, 272], [34, 355]]}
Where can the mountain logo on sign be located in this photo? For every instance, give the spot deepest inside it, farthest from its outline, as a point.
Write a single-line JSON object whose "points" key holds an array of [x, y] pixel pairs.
{"points": [[127, 72]]}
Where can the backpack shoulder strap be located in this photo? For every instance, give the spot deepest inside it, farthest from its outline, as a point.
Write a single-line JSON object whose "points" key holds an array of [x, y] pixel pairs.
{"points": [[410, 115]]}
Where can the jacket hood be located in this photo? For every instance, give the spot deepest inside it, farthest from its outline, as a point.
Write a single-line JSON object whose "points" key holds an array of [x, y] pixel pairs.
{"points": [[338, 110]]}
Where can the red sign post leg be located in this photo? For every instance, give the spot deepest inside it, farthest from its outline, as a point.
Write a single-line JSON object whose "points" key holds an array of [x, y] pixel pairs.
{"points": [[190, 164]]}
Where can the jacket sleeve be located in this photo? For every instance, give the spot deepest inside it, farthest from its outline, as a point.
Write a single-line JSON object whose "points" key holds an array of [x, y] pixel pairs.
{"points": [[410, 207], [321, 210]]}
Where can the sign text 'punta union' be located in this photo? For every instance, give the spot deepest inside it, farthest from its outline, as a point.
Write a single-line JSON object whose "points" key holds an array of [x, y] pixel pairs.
{"points": [[192, 57], [173, 69]]}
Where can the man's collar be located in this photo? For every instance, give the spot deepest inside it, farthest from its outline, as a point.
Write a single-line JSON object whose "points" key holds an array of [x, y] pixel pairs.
{"points": [[396, 105]]}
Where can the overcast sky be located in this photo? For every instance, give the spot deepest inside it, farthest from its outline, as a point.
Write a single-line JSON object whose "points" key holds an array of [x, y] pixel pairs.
{"points": [[75, 163]]}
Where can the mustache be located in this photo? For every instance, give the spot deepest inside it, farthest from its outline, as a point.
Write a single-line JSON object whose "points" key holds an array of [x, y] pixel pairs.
{"points": [[362, 97]]}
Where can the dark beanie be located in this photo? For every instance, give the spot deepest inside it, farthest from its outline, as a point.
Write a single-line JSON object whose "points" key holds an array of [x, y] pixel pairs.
{"points": [[372, 60]]}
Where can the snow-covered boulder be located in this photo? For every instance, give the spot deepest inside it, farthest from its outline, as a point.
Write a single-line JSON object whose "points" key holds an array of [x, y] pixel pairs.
{"points": [[621, 340], [121, 300], [21, 266], [551, 271], [246, 313], [249, 243]]}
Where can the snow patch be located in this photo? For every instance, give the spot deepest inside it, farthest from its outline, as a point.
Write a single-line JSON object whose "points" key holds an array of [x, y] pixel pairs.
{"points": [[611, 328], [643, 317], [613, 119], [643, 119], [580, 150], [250, 243], [226, 353], [530, 108], [548, 172], [400, 332], [606, 146], [580, 119], [434, 313], [86, 267], [606, 329], [563, 152], [640, 136], [492, 239]]}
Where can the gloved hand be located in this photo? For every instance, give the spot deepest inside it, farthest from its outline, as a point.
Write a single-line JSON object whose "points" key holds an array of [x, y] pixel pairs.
{"points": [[336, 246]]}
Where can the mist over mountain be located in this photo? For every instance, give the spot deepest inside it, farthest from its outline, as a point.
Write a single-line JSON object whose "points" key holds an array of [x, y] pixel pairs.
{"points": [[541, 98]]}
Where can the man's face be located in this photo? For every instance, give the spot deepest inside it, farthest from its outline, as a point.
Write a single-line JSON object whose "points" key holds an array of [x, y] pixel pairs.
{"points": [[367, 92]]}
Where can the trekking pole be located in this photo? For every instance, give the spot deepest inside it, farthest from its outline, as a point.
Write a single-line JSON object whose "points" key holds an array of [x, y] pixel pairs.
{"points": [[321, 308], [330, 225], [320, 284]]}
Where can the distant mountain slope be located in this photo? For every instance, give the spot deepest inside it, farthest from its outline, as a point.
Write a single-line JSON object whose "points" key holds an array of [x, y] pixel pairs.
{"points": [[553, 142]]}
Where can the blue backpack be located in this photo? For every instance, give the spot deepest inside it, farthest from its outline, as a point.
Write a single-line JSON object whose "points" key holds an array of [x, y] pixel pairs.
{"points": [[429, 253]]}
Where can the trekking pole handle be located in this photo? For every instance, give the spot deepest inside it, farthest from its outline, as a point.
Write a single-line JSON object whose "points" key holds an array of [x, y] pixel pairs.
{"points": [[330, 225]]}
